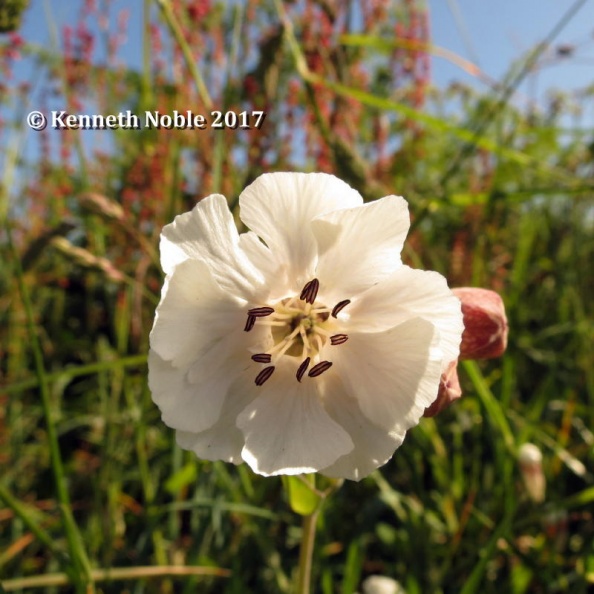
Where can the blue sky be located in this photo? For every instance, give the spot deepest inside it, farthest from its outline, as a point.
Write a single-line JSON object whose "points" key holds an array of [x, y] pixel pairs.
{"points": [[490, 33], [493, 34]]}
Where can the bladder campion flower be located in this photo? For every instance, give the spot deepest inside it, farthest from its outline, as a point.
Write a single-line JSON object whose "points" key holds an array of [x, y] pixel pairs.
{"points": [[304, 344]]}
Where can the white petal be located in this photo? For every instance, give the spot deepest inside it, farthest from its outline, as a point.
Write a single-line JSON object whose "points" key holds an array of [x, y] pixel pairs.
{"points": [[223, 441], [208, 233], [261, 257], [194, 313], [409, 293], [287, 430], [198, 347], [279, 207], [394, 375], [360, 246], [187, 404], [374, 445]]}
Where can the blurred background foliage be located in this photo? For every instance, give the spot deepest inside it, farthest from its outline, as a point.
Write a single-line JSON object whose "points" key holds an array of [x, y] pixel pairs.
{"points": [[501, 197]]}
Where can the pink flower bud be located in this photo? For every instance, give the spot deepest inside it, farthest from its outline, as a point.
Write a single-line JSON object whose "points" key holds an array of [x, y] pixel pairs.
{"points": [[485, 324], [449, 390]]}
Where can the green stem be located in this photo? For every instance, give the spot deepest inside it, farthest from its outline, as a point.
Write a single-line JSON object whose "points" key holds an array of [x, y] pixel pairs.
{"points": [[113, 574], [21, 511], [146, 95], [80, 562], [308, 538], [68, 92], [73, 371], [175, 28], [307, 500]]}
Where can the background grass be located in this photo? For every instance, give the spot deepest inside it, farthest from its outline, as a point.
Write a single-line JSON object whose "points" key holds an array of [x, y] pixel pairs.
{"points": [[92, 482]]}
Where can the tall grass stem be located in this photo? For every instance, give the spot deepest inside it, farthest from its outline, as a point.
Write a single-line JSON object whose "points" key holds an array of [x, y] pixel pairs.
{"points": [[80, 563]]}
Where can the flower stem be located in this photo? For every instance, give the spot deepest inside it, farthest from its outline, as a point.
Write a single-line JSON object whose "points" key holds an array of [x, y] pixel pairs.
{"points": [[308, 538], [174, 27], [307, 500]]}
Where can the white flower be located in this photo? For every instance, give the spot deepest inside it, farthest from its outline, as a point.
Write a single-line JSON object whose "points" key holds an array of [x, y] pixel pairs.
{"points": [[304, 344]]}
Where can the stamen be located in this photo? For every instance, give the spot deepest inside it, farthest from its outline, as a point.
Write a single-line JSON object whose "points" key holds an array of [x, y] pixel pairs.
{"points": [[271, 323], [338, 339], [322, 331], [319, 368], [286, 316], [303, 335], [320, 312], [287, 340], [289, 304], [262, 358], [264, 375], [249, 324], [339, 307], [319, 343], [302, 369], [260, 312], [310, 291], [288, 344]]}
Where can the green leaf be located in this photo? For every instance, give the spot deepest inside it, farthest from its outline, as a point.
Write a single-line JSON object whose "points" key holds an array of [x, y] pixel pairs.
{"points": [[182, 478], [485, 555], [493, 407], [302, 495], [464, 199], [353, 567], [585, 497]]}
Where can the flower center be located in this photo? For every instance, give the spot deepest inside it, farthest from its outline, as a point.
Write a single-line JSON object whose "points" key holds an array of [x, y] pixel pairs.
{"points": [[300, 327]]}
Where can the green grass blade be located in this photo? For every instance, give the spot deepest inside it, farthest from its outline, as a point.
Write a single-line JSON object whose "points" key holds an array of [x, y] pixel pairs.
{"points": [[81, 566]]}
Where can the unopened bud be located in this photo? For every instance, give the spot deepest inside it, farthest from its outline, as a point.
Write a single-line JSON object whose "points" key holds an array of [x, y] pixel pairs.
{"points": [[449, 390], [530, 460], [485, 323], [381, 584]]}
